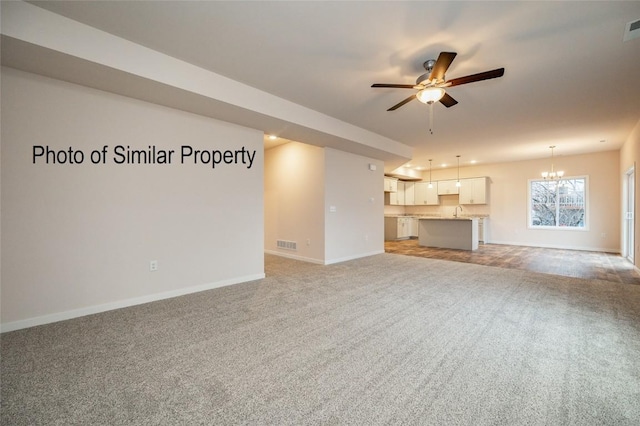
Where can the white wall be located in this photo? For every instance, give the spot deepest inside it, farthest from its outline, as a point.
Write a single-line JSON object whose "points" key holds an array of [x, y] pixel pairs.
{"points": [[302, 182], [508, 206], [356, 228], [294, 200], [78, 239]]}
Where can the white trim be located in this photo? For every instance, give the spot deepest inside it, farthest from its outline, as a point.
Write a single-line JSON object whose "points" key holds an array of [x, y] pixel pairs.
{"points": [[96, 309], [357, 256], [325, 262], [557, 228], [555, 246], [628, 224], [295, 257]]}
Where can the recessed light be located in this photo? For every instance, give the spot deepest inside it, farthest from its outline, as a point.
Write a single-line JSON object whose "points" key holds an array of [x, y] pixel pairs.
{"points": [[473, 161], [443, 165], [272, 137]]}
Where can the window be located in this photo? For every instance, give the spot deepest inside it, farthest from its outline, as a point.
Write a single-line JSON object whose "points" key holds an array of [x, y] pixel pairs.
{"points": [[560, 204]]}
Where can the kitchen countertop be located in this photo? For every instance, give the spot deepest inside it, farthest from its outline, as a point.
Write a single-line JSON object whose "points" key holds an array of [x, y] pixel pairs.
{"points": [[448, 218], [419, 216]]}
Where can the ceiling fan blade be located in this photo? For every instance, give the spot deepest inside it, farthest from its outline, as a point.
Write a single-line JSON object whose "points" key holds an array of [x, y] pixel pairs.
{"points": [[398, 105], [448, 101], [476, 77], [442, 65], [395, 86]]}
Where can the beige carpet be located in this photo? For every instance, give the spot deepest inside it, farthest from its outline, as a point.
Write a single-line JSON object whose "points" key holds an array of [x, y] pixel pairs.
{"points": [[387, 339]]}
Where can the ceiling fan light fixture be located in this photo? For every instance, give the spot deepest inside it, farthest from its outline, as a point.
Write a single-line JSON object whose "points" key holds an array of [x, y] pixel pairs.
{"points": [[430, 95]]}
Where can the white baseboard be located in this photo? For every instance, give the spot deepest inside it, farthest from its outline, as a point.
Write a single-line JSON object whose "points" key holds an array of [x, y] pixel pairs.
{"points": [[323, 262], [556, 246], [90, 310], [295, 257], [357, 256]]}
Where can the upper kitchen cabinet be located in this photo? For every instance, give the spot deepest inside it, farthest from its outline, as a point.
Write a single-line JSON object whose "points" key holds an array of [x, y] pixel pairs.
{"points": [[425, 196], [447, 187], [390, 184], [473, 191], [409, 193], [397, 198]]}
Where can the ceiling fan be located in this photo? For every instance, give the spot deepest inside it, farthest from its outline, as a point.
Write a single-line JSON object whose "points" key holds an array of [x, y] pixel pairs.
{"points": [[430, 86]]}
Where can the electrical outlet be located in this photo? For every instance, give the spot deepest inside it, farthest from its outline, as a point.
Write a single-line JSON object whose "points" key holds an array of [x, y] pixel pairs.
{"points": [[153, 265], [308, 241]]}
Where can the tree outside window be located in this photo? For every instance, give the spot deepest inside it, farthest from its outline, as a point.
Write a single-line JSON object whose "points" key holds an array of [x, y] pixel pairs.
{"points": [[558, 203]]}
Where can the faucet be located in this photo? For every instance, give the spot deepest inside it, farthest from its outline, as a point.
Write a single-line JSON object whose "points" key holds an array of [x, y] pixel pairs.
{"points": [[455, 212]]}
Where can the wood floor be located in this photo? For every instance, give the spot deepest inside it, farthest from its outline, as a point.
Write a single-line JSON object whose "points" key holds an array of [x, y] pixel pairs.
{"points": [[571, 263]]}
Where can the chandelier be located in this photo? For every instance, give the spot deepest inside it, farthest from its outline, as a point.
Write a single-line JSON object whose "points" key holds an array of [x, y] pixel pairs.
{"points": [[552, 175]]}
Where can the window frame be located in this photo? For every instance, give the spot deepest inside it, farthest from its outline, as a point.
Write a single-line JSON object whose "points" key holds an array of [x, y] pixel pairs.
{"points": [[558, 227]]}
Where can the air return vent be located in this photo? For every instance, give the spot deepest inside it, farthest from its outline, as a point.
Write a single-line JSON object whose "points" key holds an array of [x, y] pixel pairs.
{"points": [[632, 30], [287, 245]]}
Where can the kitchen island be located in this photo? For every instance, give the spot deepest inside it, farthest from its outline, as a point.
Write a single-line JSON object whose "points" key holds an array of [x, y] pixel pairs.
{"points": [[448, 232]]}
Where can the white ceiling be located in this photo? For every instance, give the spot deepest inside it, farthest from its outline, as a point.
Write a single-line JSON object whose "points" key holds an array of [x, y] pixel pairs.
{"points": [[569, 81]]}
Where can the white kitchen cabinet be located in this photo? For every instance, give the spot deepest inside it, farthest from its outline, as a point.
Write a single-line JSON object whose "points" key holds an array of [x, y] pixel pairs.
{"points": [[447, 187], [404, 194], [397, 198], [404, 227], [473, 191], [409, 193], [425, 196], [390, 184], [397, 228]]}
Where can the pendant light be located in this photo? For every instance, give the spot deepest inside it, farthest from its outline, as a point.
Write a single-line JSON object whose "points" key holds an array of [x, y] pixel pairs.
{"points": [[430, 184], [458, 181], [552, 175]]}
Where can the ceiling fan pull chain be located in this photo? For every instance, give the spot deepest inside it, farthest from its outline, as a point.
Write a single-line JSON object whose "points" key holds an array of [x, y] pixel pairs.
{"points": [[431, 117]]}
